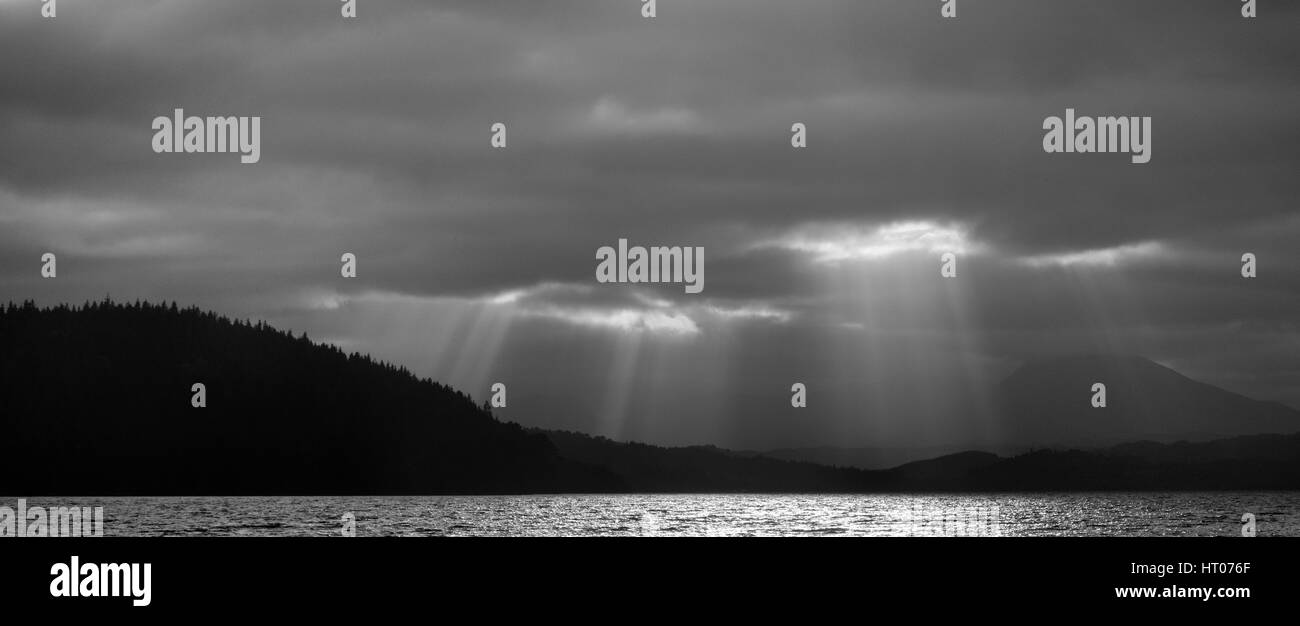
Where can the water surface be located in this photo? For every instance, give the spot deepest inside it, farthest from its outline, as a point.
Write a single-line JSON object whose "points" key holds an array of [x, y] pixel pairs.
{"points": [[1084, 514]]}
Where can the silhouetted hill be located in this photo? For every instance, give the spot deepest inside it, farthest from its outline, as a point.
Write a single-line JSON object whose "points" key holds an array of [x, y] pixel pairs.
{"points": [[701, 469], [952, 467], [877, 458], [96, 400], [1048, 402], [1252, 462]]}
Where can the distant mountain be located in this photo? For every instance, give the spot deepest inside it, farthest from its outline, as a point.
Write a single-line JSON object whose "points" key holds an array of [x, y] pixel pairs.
{"points": [[877, 458], [96, 400], [1047, 402]]}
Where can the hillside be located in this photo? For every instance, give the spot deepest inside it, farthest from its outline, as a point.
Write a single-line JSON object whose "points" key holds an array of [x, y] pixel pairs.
{"points": [[1249, 462], [96, 400]]}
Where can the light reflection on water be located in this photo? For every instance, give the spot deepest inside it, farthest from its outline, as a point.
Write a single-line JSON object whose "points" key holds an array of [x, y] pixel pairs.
{"points": [[1133, 514]]}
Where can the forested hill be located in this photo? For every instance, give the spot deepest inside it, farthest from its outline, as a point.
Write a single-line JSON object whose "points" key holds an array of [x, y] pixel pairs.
{"points": [[96, 400]]}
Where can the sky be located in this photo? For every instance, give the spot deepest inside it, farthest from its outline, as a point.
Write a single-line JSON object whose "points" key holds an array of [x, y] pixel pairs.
{"points": [[476, 264]]}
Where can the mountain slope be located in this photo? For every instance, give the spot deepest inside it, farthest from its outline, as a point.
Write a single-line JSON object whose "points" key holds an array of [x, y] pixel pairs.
{"points": [[1048, 402], [97, 400]]}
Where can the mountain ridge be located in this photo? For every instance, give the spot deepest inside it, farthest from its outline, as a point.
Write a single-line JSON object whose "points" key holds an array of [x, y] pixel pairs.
{"points": [[96, 400]]}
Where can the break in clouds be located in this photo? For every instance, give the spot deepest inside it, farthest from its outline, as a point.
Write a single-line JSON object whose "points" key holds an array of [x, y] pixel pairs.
{"points": [[476, 264]]}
